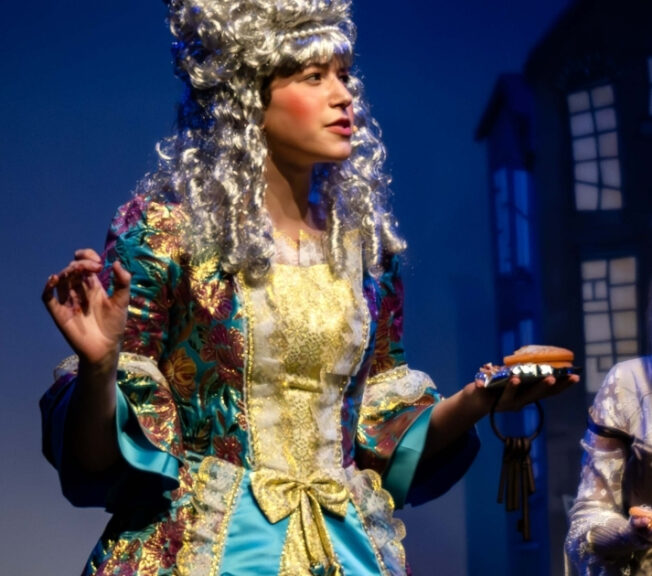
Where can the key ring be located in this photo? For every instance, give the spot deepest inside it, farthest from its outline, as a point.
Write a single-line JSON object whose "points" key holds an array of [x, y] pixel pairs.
{"points": [[498, 433], [516, 474]]}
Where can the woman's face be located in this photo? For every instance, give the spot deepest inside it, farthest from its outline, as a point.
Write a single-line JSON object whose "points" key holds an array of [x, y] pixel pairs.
{"points": [[309, 118]]}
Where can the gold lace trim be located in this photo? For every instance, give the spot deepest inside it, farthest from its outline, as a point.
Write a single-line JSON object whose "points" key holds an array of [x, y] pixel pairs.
{"points": [[394, 373], [217, 487]]}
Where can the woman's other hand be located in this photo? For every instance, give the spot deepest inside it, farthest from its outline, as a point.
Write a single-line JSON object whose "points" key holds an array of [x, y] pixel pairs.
{"points": [[517, 394]]}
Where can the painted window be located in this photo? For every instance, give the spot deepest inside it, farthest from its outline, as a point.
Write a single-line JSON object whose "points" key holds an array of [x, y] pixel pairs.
{"points": [[593, 125], [525, 421], [512, 190], [611, 331], [519, 335]]}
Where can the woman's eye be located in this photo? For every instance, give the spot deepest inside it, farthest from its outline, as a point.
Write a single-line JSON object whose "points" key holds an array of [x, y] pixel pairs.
{"points": [[314, 77], [345, 78]]}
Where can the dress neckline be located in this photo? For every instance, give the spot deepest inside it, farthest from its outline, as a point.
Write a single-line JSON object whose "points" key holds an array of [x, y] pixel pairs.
{"points": [[307, 250]]}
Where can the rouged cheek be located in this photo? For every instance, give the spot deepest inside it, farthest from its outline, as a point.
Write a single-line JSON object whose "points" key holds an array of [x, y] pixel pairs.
{"points": [[298, 107]]}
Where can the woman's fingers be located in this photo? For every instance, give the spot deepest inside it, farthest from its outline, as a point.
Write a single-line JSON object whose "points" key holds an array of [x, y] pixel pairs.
{"points": [[121, 278], [73, 285], [70, 286], [82, 265], [92, 322], [88, 254], [517, 394], [77, 289], [80, 297], [121, 285], [47, 295]]}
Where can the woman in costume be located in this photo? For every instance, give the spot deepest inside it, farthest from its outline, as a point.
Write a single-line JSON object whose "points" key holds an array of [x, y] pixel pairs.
{"points": [[604, 540], [248, 306]]}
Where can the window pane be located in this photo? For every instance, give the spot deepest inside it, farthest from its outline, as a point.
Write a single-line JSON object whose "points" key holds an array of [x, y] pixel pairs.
{"points": [[597, 327], [605, 119], [593, 376], [521, 186], [627, 347], [578, 102], [625, 325], [502, 221], [586, 197], [611, 199], [522, 241], [587, 172], [504, 262], [593, 269], [610, 170], [587, 290], [526, 328], [508, 343], [622, 271], [623, 297], [602, 96], [596, 306], [597, 349], [500, 183], [582, 124], [608, 144], [601, 290], [605, 363], [584, 148]]}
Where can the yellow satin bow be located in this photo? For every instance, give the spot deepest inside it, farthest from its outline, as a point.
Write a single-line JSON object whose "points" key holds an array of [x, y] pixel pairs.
{"points": [[279, 495]]}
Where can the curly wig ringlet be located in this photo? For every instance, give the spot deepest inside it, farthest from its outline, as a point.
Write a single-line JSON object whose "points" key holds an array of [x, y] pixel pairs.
{"points": [[226, 52]]}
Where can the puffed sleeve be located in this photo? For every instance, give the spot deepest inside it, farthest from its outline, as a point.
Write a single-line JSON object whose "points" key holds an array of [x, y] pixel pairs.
{"points": [[396, 409], [600, 540], [147, 421]]}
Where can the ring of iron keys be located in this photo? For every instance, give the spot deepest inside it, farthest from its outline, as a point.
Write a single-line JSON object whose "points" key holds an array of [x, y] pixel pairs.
{"points": [[516, 475]]}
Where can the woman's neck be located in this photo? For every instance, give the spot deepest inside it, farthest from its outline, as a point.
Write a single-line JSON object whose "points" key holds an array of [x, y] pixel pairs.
{"points": [[287, 199]]}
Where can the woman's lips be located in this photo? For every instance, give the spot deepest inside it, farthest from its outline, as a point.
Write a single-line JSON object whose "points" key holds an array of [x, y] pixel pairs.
{"points": [[342, 127]]}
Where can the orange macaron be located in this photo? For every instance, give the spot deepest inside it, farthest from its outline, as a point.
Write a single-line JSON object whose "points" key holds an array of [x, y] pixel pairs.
{"points": [[541, 354]]}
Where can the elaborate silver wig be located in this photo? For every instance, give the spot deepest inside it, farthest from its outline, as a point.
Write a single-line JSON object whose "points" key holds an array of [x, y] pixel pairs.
{"points": [[226, 52]]}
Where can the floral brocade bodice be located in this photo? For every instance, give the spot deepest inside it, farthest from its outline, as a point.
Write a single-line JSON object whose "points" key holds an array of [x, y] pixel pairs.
{"points": [[273, 362]]}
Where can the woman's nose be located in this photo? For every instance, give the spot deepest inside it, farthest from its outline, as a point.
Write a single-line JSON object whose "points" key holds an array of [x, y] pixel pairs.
{"points": [[341, 97]]}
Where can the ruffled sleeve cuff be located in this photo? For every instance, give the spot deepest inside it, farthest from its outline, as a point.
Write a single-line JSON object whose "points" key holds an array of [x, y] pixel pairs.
{"points": [[392, 430], [403, 466], [147, 440]]}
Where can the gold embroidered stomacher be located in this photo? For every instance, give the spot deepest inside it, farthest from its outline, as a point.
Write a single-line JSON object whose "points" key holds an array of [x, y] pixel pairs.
{"points": [[280, 496]]}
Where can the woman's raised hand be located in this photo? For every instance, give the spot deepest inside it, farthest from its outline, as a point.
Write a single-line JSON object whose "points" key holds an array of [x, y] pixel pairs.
{"points": [[92, 322]]}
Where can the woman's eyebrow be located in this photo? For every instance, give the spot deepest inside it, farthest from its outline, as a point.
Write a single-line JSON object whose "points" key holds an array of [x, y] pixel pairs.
{"points": [[320, 65]]}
